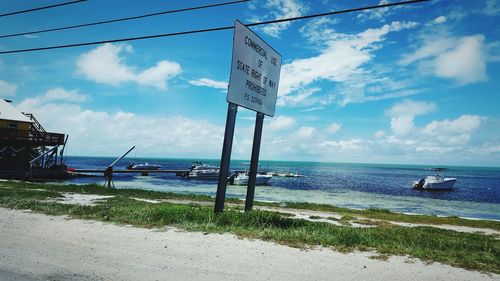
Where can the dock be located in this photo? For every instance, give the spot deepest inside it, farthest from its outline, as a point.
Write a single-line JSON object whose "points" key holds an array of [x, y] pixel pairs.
{"points": [[142, 172], [176, 172]]}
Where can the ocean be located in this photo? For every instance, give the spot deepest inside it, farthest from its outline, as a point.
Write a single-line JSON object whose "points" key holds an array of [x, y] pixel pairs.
{"points": [[360, 186]]}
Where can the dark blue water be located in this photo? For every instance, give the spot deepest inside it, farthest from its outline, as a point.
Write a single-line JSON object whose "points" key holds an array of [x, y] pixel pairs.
{"points": [[350, 185]]}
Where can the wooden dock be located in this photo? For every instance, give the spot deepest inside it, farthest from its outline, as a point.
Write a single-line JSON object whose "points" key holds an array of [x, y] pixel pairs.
{"points": [[142, 172]]}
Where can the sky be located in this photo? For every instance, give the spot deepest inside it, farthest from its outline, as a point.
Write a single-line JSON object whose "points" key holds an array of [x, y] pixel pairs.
{"points": [[417, 84]]}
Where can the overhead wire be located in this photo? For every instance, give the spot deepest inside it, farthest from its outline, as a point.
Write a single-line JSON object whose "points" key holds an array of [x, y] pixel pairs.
{"points": [[212, 29], [124, 19], [41, 8]]}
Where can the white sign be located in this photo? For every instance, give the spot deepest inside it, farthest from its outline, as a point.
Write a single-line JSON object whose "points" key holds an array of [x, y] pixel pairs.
{"points": [[255, 72]]}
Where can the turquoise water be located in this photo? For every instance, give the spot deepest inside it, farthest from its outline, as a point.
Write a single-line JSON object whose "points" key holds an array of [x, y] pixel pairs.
{"points": [[360, 186]]}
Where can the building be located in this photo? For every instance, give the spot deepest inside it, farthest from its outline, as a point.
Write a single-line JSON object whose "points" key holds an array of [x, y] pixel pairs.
{"points": [[25, 146]]}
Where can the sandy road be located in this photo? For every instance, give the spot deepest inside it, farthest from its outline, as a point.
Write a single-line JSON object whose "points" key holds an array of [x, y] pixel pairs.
{"points": [[39, 247]]}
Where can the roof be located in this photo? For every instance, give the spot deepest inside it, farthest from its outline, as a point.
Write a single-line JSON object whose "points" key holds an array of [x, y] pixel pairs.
{"points": [[9, 112]]}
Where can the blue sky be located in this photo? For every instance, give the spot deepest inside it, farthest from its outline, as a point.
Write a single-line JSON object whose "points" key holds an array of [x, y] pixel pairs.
{"points": [[417, 84]]}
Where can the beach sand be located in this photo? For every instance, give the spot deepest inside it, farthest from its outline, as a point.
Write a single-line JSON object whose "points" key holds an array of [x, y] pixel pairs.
{"points": [[39, 247]]}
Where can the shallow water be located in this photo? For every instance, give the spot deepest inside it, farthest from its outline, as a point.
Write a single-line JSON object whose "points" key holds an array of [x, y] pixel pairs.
{"points": [[476, 193]]}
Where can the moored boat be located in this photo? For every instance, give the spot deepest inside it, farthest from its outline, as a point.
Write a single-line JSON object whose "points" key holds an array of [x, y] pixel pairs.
{"points": [[436, 182], [440, 169], [144, 166], [242, 179], [202, 171]]}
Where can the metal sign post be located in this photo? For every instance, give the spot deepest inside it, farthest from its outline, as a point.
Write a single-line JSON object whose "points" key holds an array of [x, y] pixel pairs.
{"points": [[253, 84], [225, 158], [254, 162]]}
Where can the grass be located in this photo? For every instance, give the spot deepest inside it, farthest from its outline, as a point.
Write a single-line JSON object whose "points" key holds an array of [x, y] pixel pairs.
{"points": [[379, 223], [380, 214], [467, 250]]}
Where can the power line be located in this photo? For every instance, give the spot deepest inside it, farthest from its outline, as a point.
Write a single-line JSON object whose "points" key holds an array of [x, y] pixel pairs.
{"points": [[124, 19], [211, 29], [41, 8]]}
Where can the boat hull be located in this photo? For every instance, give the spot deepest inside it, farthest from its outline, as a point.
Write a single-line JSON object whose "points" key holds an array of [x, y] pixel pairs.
{"points": [[259, 180], [203, 176], [435, 183], [142, 167], [446, 184]]}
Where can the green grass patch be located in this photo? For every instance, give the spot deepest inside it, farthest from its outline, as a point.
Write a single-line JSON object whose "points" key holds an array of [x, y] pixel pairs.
{"points": [[100, 190], [379, 223], [467, 250]]}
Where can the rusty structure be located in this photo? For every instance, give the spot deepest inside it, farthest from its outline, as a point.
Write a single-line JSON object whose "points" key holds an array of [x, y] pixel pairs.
{"points": [[27, 150]]}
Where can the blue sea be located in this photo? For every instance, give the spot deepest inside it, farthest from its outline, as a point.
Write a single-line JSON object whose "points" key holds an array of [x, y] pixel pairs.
{"points": [[359, 186]]}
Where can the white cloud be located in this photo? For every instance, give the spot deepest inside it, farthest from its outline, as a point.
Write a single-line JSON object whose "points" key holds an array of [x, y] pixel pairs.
{"points": [[350, 146], [312, 109], [402, 125], [448, 138], [7, 89], [409, 107], [341, 61], [462, 59], [379, 134], [318, 29], [305, 132], [205, 82], [466, 63], [403, 115], [432, 46], [439, 20], [492, 8], [303, 98], [111, 133], [281, 123], [379, 14], [55, 94], [279, 9], [465, 124], [333, 128], [105, 64], [158, 75]]}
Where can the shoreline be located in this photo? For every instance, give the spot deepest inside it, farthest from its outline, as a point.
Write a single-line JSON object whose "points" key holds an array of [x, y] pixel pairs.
{"points": [[239, 198], [40, 247], [435, 206]]}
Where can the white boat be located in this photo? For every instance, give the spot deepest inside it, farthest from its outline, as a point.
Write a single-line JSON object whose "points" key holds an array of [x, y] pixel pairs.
{"points": [[242, 179], [145, 166], [435, 183], [202, 171]]}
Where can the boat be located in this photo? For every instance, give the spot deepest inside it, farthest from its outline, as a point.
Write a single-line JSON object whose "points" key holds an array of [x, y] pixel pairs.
{"points": [[242, 179], [202, 171], [144, 166], [437, 169], [436, 182]]}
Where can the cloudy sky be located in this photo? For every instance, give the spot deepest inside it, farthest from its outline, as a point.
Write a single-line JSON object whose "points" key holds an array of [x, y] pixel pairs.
{"points": [[417, 84]]}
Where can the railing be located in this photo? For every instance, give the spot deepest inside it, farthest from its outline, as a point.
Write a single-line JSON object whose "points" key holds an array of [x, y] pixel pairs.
{"points": [[36, 126], [14, 136]]}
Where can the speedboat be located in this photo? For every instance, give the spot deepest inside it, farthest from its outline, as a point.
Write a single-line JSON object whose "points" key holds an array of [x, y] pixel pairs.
{"points": [[436, 182], [202, 171], [145, 166], [242, 179]]}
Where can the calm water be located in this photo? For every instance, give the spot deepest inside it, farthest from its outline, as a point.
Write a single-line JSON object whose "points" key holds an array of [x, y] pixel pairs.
{"points": [[476, 193]]}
